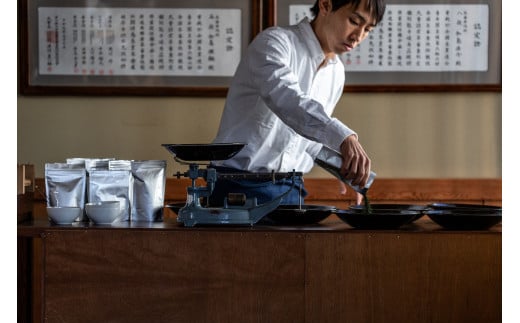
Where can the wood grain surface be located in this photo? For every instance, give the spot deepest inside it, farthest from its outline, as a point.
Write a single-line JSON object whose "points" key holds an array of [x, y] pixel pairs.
{"points": [[121, 276], [241, 276], [403, 277]]}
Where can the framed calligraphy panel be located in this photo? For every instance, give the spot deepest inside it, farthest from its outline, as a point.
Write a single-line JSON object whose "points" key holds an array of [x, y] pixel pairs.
{"points": [[435, 46], [131, 47]]}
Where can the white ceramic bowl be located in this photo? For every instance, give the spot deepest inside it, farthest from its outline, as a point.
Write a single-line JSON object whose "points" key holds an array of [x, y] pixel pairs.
{"points": [[63, 215], [103, 212]]}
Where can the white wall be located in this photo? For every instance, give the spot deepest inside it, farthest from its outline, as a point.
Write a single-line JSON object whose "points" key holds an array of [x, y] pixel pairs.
{"points": [[407, 135]]}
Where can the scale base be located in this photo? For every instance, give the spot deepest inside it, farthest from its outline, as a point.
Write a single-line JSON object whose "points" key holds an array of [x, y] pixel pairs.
{"points": [[248, 214], [215, 216]]}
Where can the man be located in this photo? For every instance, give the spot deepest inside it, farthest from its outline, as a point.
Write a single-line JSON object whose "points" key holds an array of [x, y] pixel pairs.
{"points": [[283, 94]]}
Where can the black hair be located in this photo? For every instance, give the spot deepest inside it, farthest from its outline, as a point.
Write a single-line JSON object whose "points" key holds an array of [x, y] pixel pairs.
{"points": [[376, 7]]}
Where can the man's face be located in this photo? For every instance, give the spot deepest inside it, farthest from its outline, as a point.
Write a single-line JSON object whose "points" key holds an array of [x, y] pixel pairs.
{"points": [[346, 27]]}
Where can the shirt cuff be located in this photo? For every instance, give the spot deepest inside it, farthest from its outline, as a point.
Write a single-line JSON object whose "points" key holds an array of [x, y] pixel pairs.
{"points": [[336, 132]]}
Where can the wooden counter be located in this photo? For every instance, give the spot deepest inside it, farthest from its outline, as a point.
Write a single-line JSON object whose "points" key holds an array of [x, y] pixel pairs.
{"points": [[163, 272]]}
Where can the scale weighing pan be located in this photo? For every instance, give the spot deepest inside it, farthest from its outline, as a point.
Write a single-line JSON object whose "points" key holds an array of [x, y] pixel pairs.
{"points": [[193, 152]]}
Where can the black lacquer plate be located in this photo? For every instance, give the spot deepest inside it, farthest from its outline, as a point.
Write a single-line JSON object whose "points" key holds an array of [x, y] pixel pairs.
{"points": [[378, 219], [393, 207], [296, 215], [464, 219]]}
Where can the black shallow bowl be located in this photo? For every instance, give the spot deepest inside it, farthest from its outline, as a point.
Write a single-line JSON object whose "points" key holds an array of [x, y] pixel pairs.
{"points": [[392, 208], [383, 219], [375, 206], [193, 152], [461, 220], [459, 207], [175, 207], [293, 215]]}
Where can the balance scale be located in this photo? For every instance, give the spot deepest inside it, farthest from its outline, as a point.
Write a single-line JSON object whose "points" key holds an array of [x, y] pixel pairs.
{"points": [[237, 209]]}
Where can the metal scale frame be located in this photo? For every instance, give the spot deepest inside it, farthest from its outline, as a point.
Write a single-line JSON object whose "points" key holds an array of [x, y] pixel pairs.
{"points": [[247, 212]]}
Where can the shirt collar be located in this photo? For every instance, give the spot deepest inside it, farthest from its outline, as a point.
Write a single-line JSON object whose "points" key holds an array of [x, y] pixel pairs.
{"points": [[312, 42]]}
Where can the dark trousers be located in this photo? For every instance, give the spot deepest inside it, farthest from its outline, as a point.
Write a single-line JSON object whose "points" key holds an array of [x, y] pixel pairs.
{"points": [[264, 191]]}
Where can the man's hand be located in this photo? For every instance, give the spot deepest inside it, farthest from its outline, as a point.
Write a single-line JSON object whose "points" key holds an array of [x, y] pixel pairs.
{"points": [[343, 191], [356, 164]]}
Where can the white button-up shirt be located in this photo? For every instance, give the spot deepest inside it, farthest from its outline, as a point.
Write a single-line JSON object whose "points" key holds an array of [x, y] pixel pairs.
{"points": [[280, 102]]}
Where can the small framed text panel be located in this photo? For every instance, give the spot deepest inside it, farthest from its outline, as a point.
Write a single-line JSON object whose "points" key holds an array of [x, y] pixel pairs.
{"points": [[435, 46], [131, 47]]}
